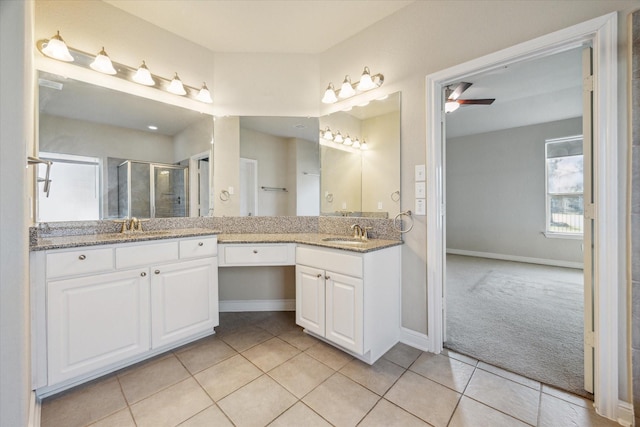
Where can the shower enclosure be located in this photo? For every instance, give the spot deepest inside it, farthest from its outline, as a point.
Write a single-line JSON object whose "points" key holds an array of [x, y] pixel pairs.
{"points": [[152, 190]]}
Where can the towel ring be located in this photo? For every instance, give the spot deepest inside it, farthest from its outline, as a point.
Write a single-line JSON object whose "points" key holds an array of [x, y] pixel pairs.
{"points": [[399, 227], [395, 196], [224, 195]]}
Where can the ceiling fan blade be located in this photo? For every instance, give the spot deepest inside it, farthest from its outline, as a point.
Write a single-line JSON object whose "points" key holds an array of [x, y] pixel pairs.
{"points": [[461, 87], [487, 101]]}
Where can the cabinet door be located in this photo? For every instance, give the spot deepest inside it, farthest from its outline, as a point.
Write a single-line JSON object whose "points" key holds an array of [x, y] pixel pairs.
{"points": [[184, 300], [310, 298], [95, 321], [344, 311]]}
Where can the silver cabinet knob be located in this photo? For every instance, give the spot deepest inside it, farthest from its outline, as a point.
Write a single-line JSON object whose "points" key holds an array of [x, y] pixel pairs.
{"points": [[200, 244], [157, 271], [82, 257], [143, 274]]}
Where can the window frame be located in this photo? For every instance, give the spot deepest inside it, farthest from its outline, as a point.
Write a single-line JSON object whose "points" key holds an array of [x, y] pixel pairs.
{"points": [[547, 232]]}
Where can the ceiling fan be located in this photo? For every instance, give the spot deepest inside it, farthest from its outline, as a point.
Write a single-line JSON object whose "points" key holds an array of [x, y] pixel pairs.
{"points": [[453, 101]]}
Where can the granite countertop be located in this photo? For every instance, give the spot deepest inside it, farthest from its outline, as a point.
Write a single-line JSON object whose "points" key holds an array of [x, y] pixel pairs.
{"points": [[315, 239], [62, 242]]}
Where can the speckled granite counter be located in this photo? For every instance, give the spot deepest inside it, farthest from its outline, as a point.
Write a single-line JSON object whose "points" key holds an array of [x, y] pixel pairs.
{"points": [[73, 241], [314, 239]]}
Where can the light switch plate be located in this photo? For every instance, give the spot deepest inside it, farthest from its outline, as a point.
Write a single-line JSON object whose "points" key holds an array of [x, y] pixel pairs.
{"points": [[421, 207], [420, 172], [420, 190]]}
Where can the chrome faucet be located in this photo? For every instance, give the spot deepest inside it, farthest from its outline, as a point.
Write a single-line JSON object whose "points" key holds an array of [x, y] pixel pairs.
{"points": [[360, 232]]}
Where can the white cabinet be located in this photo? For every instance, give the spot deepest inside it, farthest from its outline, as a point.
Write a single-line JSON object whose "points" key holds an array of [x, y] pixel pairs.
{"points": [[95, 321], [183, 302], [350, 299], [256, 254], [99, 308]]}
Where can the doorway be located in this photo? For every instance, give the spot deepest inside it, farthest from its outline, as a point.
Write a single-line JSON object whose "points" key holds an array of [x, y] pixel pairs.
{"points": [[514, 195], [601, 32]]}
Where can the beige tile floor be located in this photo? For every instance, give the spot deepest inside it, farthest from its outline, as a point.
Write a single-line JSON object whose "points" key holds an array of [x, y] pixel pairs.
{"points": [[261, 369]]}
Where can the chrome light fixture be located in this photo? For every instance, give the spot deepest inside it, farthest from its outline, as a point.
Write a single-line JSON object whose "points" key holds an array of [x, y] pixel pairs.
{"points": [[367, 82], [329, 95], [356, 143], [348, 140], [451, 106], [204, 95], [102, 63], [56, 48], [338, 138], [327, 134], [176, 87], [143, 76]]}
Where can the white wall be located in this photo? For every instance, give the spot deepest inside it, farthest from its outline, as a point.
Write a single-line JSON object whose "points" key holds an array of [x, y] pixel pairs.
{"points": [[16, 136], [195, 139], [272, 154], [495, 187], [307, 161]]}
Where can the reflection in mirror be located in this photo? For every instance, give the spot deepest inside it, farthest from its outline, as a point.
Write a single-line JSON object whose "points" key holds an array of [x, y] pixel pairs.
{"points": [[279, 166], [117, 155], [361, 178]]}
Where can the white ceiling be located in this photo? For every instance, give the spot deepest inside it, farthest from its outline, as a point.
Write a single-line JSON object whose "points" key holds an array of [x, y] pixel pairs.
{"points": [[526, 93], [265, 26]]}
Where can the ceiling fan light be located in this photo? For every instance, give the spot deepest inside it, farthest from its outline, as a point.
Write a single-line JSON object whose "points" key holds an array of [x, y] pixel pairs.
{"points": [[346, 90], [451, 106], [176, 86], [329, 95], [204, 95], [102, 63], [56, 48], [366, 83], [143, 76]]}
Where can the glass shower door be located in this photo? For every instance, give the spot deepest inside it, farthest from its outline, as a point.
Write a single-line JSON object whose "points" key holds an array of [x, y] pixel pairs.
{"points": [[170, 192]]}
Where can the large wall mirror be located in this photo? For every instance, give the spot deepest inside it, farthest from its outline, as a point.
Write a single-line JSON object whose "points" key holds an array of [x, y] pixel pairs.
{"points": [[360, 160], [117, 155]]}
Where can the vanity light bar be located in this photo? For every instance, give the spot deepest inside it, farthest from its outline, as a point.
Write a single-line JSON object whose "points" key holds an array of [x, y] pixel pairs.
{"points": [[140, 75], [342, 141], [347, 89]]}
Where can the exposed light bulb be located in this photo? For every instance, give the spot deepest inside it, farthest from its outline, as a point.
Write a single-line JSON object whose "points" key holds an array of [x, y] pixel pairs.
{"points": [[204, 95], [346, 90], [176, 86], [103, 64], [56, 48], [366, 83], [143, 76], [329, 95]]}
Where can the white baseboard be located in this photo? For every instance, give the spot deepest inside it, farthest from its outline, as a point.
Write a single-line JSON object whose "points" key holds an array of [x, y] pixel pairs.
{"points": [[414, 339], [530, 260], [258, 305], [34, 410], [625, 413]]}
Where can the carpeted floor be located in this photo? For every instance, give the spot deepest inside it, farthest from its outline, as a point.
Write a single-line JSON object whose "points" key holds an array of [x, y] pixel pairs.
{"points": [[522, 317]]}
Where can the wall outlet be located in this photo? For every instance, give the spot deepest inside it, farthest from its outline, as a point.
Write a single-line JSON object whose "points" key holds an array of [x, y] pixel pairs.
{"points": [[420, 190], [421, 172], [421, 207]]}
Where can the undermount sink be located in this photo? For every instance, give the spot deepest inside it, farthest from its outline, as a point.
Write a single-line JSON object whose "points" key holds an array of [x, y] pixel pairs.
{"points": [[345, 240]]}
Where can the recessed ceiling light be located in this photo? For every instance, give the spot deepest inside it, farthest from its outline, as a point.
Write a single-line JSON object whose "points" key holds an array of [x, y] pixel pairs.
{"points": [[152, 127]]}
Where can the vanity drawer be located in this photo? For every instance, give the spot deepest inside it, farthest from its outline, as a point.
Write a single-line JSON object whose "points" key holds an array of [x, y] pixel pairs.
{"points": [[197, 248], [145, 254], [330, 259], [81, 261], [257, 254]]}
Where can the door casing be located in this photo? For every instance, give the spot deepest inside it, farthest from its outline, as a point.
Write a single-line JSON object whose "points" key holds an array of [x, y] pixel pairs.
{"points": [[601, 32]]}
